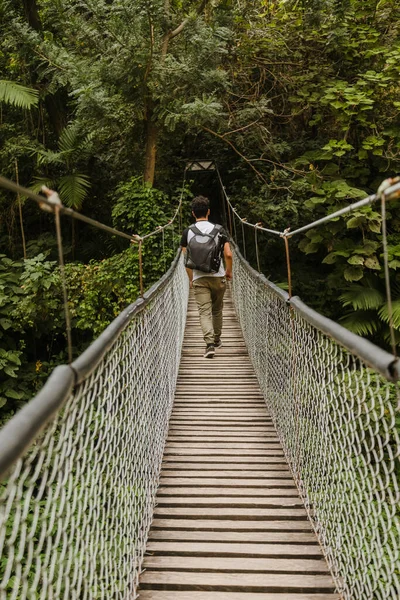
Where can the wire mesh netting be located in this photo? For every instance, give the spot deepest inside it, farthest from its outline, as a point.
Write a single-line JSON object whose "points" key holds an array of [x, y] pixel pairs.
{"points": [[77, 507], [339, 427]]}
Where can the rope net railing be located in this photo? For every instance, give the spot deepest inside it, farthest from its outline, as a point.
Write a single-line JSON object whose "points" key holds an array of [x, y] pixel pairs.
{"points": [[76, 507], [333, 403]]}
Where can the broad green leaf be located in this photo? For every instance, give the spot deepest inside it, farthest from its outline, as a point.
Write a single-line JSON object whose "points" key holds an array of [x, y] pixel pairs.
{"points": [[374, 226], [310, 248], [354, 222], [355, 260], [372, 262], [5, 323], [353, 273], [330, 259], [13, 394]]}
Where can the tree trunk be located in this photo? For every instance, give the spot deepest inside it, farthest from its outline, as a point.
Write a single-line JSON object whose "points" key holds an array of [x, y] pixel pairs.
{"points": [[151, 147], [21, 221], [55, 103], [55, 106], [152, 128], [32, 14]]}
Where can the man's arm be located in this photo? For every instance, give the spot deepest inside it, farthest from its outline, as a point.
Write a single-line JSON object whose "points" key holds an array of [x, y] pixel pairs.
{"points": [[228, 260], [188, 271]]}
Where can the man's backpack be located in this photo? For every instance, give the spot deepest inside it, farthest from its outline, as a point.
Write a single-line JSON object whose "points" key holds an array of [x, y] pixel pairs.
{"points": [[204, 250]]}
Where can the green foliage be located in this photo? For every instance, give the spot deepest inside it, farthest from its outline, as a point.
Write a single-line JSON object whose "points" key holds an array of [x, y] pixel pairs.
{"points": [[298, 101], [73, 148], [17, 95], [27, 308], [140, 208], [99, 291]]}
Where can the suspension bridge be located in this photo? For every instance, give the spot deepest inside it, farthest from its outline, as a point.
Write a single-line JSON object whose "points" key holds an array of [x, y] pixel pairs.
{"points": [[142, 470]]}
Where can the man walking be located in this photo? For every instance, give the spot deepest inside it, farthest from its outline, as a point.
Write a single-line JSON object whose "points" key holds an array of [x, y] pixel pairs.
{"points": [[204, 244]]}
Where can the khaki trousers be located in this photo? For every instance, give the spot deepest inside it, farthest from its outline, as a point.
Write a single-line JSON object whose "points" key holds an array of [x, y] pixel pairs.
{"points": [[209, 294]]}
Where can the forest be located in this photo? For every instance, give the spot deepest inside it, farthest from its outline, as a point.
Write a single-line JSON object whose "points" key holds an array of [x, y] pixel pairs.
{"points": [[105, 101]]}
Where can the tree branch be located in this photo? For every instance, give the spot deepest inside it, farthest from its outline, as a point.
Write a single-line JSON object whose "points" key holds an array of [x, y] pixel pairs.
{"points": [[180, 27], [241, 128], [49, 61], [150, 59], [248, 161]]}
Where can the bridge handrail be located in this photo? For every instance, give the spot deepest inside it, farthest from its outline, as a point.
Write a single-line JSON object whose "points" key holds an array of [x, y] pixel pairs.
{"points": [[382, 361], [76, 507], [20, 432], [333, 402]]}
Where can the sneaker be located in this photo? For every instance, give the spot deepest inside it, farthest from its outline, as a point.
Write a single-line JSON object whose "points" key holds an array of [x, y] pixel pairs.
{"points": [[218, 343], [210, 351]]}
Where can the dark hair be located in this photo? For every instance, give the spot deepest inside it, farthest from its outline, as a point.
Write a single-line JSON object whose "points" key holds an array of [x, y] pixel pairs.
{"points": [[200, 206]]}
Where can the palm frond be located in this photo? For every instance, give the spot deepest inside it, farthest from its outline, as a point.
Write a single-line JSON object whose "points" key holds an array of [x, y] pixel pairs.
{"points": [[18, 95], [73, 189], [49, 157], [361, 322], [38, 182], [387, 336], [384, 313], [361, 297], [69, 138]]}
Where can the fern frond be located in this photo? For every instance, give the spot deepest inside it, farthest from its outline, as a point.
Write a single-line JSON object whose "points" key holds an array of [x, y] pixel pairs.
{"points": [[361, 322], [18, 95], [73, 189], [361, 297]]}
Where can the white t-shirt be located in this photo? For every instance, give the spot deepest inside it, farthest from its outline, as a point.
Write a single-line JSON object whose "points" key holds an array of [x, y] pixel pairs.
{"points": [[205, 227]]}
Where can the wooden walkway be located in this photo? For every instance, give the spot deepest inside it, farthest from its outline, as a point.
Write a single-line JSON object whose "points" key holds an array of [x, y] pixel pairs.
{"points": [[228, 524]]}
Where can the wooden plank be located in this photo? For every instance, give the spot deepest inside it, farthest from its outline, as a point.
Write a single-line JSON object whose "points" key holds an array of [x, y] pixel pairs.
{"points": [[211, 428], [201, 403], [229, 502], [231, 473], [216, 437], [222, 408], [220, 419], [265, 537], [236, 565], [211, 524], [245, 390], [253, 463], [264, 482], [224, 452], [242, 595], [229, 549], [224, 445], [259, 582], [225, 493], [236, 401], [206, 414], [240, 386], [211, 402], [231, 513], [209, 464], [224, 424]]}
